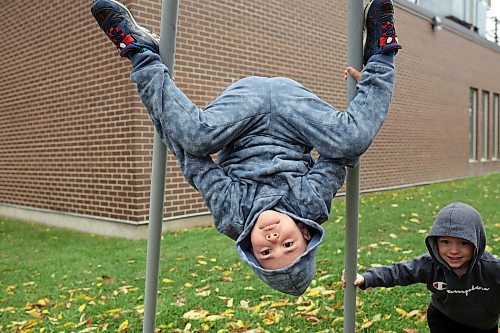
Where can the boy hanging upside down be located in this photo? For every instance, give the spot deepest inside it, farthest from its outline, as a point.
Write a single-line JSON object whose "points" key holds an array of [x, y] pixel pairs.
{"points": [[265, 190]]}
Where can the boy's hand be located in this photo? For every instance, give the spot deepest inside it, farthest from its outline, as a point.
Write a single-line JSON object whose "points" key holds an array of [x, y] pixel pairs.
{"points": [[352, 72], [360, 280]]}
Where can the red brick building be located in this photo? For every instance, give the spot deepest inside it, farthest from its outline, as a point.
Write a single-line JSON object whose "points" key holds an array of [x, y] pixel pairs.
{"points": [[76, 142]]}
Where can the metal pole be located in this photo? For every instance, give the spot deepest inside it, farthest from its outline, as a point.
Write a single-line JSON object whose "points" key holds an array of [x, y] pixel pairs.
{"points": [[157, 196], [354, 59]]}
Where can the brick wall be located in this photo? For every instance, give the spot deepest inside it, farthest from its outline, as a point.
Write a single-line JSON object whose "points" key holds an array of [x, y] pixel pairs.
{"points": [[74, 136]]}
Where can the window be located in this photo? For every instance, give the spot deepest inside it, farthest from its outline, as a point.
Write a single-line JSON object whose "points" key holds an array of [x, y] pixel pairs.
{"points": [[473, 125], [486, 122], [496, 127]]}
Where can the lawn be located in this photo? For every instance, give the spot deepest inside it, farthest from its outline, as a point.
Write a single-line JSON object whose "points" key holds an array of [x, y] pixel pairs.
{"points": [[55, 280]]}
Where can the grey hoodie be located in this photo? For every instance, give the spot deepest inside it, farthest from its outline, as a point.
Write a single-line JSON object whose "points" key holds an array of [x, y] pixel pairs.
{"points": [[264, 130], [473, 299]]}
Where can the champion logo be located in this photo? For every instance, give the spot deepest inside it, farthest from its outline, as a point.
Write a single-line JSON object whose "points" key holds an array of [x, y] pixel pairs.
{"points": [[439, 285]]}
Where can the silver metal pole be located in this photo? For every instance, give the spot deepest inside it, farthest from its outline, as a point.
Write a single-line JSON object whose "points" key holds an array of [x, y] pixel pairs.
{"points": [[157, 196], [354, 59]]}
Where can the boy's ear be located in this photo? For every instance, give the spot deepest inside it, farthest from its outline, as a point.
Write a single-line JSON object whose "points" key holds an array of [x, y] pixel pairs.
{"points": [[304, 230]]}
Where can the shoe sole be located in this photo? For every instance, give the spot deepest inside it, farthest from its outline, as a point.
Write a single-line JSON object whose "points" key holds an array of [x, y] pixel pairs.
{"points": [[365, 27], [129, 14]]}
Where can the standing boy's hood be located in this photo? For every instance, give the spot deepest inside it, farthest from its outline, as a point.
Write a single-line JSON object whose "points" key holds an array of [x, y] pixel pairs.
{"points": [[294, 278], [458, 220]]}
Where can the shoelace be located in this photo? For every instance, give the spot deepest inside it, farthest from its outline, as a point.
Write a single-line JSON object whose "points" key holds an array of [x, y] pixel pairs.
{"points": [[388, 34]]}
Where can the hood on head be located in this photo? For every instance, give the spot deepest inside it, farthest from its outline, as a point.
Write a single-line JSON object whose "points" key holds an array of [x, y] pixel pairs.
{"points": [[458, 220], [294, 278]]}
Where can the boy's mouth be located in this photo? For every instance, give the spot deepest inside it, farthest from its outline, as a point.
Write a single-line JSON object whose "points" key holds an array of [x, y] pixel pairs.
{"points": [[454, 259], [270, 226]]}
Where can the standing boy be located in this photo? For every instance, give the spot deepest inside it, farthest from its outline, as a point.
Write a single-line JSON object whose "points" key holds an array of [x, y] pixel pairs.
{"points": [[464, 279]]}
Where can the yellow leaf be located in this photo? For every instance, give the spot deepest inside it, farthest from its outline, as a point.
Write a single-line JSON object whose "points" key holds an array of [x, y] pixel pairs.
{"points": [[82, 308], [313, 312], [324, 277], [166, 280], [413, 313], [367, 324], [401, 312], [306, 308], [123, 326], [204, 293], [196, 314], [213, 318], [42, 302], [244, 305], [202, 262], [393, 235]]}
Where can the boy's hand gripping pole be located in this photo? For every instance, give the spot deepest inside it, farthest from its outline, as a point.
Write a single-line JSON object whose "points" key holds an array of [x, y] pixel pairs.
{"points": [[169, 9], [354, 59]]}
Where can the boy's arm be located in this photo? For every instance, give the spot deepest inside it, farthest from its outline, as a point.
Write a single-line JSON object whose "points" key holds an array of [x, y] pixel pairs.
{"points": [[224, 197], [399, 274], [327, 176]]}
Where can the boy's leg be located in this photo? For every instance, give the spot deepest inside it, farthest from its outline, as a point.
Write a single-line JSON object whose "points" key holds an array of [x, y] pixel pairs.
{"points": [[439, 323], [346, 135], [198, 131], [336, 134]]}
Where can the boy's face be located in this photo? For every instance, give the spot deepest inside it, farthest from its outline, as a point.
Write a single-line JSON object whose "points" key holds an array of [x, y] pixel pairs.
{"points": [[277, 240], [456, 252]]}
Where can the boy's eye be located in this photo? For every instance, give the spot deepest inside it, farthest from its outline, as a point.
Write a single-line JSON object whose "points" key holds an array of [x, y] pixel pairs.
{"points": [[288, 244], [266, 252]]}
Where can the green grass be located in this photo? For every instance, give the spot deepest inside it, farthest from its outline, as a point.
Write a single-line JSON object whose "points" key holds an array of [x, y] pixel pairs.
{"points": [[55, 280]]}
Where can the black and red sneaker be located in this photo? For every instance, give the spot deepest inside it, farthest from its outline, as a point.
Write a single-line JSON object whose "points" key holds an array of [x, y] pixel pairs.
{"points": [[380, 34], [119, 25]]}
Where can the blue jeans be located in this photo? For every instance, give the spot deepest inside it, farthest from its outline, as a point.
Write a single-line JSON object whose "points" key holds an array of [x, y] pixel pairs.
{"points": [[296, 113]]}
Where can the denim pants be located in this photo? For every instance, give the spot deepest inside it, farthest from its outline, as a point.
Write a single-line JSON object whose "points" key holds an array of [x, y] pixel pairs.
{"points": [[263, 130], [296, 113]]}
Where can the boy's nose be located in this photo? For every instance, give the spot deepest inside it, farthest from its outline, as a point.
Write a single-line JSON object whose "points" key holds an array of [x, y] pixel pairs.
{"points": [[272, 236], [455, 248]]}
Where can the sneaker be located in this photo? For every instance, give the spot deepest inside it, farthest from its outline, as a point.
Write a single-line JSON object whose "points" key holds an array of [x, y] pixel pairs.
{"points": [[380, 34], [119, 25]]}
